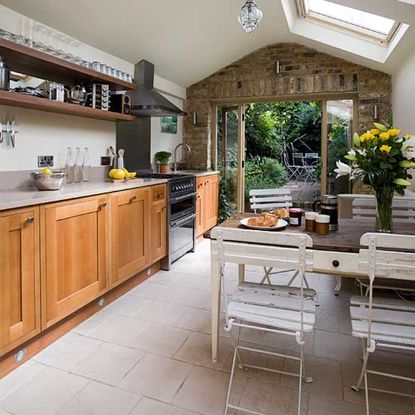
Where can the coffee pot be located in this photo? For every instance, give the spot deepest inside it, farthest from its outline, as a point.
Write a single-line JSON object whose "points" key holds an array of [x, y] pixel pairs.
{"points": [[327, 205]]}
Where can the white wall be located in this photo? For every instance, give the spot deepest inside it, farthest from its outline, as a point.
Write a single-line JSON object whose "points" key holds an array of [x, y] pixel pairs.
{"points": [[42, 133], [403, 98]]}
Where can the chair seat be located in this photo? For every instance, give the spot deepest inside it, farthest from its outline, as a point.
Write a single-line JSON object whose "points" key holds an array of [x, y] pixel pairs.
{"points": [[271, 307], [393, 321]]}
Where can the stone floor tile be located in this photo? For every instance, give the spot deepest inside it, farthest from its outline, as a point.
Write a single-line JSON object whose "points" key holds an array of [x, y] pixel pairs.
{"points": [[198, 350], [109, 364], [149, 406], [196, 320], [45, 394], [336, 346], [162, 312], [204, 391], [99, 399], [68, 351], [328, 406], [156, 377], [128, 305], [161, 340]]}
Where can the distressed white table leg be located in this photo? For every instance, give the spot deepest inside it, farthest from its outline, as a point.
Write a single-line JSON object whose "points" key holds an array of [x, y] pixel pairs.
{"points": [[338, 286], [241, 273], [216, 288]]}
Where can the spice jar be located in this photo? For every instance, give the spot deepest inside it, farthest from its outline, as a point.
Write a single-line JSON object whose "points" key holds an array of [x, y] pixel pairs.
{"points": [[295, 216], [310, 221], [322, 224]]}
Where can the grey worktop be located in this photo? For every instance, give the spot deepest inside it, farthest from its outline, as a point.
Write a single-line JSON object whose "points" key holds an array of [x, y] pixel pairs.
{"points": [[198, 173], [16, 198]]}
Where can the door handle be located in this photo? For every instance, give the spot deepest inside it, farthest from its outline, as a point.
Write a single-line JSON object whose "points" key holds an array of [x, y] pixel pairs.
{"points": [[133, 199], [102, 206], [29, 220]]}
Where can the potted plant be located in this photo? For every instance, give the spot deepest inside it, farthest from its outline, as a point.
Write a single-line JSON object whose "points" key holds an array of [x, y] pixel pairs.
{"points": [[163, 158], [381, 158]]}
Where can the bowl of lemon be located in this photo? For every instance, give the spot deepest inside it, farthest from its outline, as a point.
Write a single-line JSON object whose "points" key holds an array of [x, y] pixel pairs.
{"points": [[121, 174], [47, 179]]}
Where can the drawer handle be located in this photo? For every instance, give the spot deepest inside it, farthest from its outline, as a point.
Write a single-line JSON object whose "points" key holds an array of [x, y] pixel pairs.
{"points": [[29, 220], [335, 263], [102, 206], [133, 199]]}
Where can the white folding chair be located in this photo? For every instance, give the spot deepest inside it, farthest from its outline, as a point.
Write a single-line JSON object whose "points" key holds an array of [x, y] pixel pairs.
{"points": [[267, 308], [268, 199], [292, 169], [386, 323], [403, 212]]}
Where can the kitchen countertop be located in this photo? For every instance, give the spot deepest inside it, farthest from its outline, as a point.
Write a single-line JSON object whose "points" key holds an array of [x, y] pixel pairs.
{"points": [[17, 198], [198, 173]]}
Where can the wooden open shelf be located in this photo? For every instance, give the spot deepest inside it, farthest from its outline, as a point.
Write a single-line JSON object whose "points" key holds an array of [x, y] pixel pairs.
{"points": [[43, 104], [28, 61]]}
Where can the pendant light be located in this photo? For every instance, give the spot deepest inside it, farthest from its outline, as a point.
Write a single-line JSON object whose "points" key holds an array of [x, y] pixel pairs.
{"points": [[250, 16]]}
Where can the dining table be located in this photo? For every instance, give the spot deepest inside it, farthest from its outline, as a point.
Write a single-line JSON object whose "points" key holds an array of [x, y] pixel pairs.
{"points": [[334, 254]]}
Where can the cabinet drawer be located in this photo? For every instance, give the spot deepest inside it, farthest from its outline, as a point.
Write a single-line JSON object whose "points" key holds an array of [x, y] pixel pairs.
{"points": [[159, 193]]}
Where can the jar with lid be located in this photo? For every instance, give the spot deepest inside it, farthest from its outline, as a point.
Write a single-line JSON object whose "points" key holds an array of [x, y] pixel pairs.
{"points": [[295, 216], [310, 221], [322, 224]]}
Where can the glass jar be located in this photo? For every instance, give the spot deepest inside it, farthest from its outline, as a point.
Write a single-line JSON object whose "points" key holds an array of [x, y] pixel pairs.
{"points": [[322, 224], [295, 216], [310, 221]]}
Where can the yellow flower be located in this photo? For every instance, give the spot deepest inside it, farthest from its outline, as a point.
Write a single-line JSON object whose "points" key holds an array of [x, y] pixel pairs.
{"points": [[394, 132], [374, 131], [384, 136], [367, 137], [408, 136], [385, 149]]}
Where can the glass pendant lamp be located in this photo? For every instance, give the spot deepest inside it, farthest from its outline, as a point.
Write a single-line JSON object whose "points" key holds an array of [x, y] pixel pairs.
{"points": [[250, 16]]}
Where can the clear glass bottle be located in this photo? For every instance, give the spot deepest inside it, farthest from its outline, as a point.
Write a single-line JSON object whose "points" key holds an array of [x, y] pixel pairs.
{"points": [[69, 165], [78, 166], [86, 166]]}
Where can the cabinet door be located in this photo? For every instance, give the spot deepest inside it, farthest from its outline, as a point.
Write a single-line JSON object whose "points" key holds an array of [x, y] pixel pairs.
{"points": [[74, 256], [19, 277], [200, 186], [130, 222], [158, 233], [210, 208]]}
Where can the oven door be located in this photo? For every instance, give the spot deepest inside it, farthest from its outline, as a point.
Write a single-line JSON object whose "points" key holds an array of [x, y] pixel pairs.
{"points": [[182, 206], [182, 237]]}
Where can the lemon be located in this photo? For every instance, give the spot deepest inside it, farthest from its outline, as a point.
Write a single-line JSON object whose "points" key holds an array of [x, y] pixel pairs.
{"points": [[131, 175], [46, 171], [117, 174]]}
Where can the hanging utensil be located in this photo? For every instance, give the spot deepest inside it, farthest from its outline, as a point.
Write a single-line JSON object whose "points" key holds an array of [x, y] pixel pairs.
{"points": [[112, 157], [13, 133], [121, 158]]}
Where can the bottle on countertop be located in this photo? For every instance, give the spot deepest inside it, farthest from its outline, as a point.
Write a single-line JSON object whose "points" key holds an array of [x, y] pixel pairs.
{"points": [[69, 165], [86, 166], [78, 166]]}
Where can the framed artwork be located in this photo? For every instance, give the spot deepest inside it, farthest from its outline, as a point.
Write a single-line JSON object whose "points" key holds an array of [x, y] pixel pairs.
{"points": [[169, 124]]}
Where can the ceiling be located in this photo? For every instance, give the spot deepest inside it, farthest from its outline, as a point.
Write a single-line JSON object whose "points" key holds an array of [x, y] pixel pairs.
{"points": [[188, 40]]}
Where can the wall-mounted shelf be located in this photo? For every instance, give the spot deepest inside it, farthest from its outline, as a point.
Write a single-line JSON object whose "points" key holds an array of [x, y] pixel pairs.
{"points": [[28, 61], [43, 104]]}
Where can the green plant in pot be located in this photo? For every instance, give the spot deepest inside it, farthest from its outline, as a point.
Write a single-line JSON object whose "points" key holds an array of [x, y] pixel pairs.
{"points": [[163, 159]]}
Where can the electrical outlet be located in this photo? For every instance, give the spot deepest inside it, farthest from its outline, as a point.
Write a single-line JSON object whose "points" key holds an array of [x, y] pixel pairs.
{"points": [[45, 161]]}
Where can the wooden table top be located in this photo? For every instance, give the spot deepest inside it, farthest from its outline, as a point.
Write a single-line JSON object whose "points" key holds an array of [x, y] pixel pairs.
{"points": [[345, 239]]}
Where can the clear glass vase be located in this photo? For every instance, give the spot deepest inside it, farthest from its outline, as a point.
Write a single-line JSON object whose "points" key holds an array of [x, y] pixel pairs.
{"points": [[384, 198]]}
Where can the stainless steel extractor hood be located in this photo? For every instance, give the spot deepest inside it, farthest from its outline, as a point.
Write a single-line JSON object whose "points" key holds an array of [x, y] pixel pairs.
{"points": [[146, 101]]}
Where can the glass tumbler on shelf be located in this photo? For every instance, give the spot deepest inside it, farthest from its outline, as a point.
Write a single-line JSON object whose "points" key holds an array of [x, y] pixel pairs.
{"points": [[78, 166], [69, 165], [86, 166]]}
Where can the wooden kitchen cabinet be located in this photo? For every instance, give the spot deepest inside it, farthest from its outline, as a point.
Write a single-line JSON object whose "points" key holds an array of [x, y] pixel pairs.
{"points": [[207, 188], [74, 236], [130, 233], [158, 223], [19, 277]]}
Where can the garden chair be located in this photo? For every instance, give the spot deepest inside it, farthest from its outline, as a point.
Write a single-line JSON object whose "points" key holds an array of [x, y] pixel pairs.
{"points": [[384, 323], [266, 308], [292, 170], [268, 199], [403, 211]]}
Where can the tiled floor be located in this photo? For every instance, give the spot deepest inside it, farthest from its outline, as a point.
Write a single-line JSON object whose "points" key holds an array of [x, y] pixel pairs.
{"points": [[148, 353]]}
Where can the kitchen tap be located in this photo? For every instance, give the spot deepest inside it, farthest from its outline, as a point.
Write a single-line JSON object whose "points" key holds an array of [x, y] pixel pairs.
{"points": [[175, 154]]}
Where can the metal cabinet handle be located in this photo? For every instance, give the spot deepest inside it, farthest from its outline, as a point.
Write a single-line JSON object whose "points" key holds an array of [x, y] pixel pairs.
{"points": [[102, 206], [336, 263], [29, 220], [133, 199]]}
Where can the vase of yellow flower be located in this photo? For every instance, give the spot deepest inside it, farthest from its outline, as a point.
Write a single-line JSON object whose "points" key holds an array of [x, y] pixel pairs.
{"points": [[381, 158]]}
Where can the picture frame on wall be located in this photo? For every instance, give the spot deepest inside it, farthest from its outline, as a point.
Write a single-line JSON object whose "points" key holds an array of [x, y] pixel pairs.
{"points": [[169, 124]]}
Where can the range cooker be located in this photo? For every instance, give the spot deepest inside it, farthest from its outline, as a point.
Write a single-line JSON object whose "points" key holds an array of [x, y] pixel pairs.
{"points": [[181, 214]]}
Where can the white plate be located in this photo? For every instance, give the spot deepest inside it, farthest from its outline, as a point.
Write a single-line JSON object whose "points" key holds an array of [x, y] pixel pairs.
{"points": [[281, 224]]}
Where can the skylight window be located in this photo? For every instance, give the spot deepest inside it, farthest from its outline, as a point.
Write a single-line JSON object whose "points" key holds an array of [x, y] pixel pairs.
{"points": [[354, 21]]}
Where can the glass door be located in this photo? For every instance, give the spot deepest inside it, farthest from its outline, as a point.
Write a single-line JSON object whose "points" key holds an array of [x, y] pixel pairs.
{"points": [[230, 156], [337, 135]]}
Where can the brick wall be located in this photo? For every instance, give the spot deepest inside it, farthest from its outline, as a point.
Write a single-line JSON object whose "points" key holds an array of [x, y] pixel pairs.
{"points": [[302, 71]]}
